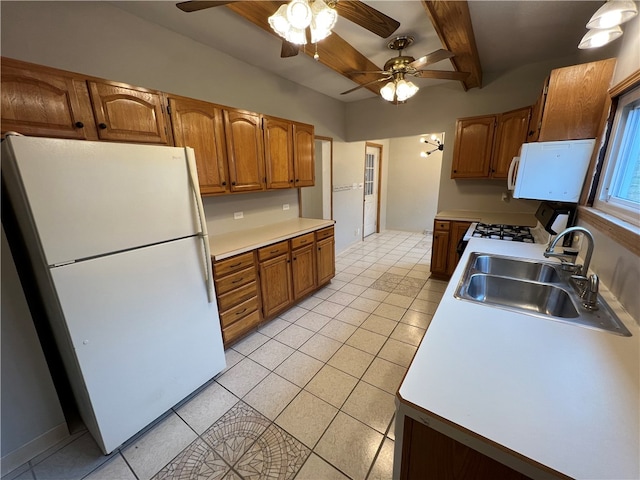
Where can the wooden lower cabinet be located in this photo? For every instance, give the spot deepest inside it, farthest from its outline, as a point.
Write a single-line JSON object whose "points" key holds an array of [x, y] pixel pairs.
{"points": [[275, 280], [303, 265], [325, 255], [428, 454], [444, 254]]}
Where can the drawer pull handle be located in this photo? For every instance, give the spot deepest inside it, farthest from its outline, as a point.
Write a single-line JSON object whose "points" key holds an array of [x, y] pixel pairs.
{"points": [[238, 280], [235, 265], [241, 311], [303, 241], [274, 251]]}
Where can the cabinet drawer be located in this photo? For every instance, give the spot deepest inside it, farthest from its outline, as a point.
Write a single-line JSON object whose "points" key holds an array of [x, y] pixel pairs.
{"points": [[441, 225], [233, 264], [235, 280], [239, 328], [324, 233], [239, 311], [301, 241], [234, 297], [273, 250]]}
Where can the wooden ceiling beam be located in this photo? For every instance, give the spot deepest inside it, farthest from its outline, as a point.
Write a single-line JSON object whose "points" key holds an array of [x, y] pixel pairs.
{"points": [[452, 22], [334, 51]]}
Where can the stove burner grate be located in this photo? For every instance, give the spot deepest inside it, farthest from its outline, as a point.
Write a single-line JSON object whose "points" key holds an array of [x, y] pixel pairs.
{"points": [[512, 233]]}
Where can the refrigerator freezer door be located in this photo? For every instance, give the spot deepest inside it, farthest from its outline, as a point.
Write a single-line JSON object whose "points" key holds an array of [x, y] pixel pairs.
{"points": [[93, 198], [143, 333]]}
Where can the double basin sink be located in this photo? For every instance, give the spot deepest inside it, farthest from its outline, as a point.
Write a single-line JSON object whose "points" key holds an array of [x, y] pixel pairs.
{"points": [[536, 288]]}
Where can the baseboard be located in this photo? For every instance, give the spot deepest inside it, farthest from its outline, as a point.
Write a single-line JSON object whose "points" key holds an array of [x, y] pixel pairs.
{"points": [[23, 454]]}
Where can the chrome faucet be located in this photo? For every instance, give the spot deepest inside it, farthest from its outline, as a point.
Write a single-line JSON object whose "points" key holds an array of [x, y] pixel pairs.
{"points": [[587, 287], [565, 256]]}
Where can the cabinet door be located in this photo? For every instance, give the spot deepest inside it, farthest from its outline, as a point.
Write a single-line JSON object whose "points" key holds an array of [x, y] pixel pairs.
{"points": [[536, 114], [245, 152], [440, 252], [325, 257], [275, 280], [510, 135], [304, 154], [199, 125], [303, 271], [473, 147], [42, 102], [576, 101], [456, 232], [128, 114], [278, 152]]}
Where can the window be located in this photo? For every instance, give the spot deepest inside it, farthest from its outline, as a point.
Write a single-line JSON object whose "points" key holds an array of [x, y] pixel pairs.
{"points": [[619, 192], [368, 173]]}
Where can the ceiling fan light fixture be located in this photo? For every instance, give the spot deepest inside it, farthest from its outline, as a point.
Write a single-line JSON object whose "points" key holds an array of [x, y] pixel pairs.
{"points": [[299, 14], [297, 36], [598, 37], [279, 22], [405, 90], [323, 21], [613, 13], [388, 92]]}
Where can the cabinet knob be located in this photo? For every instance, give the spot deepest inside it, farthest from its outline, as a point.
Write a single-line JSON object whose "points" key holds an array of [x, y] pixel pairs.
{"points": [[530, 132], [79, 124], [295, 258], [455, 171], [102, 126], [291, 181], [233, 183], [297, 180], [224, 183]]}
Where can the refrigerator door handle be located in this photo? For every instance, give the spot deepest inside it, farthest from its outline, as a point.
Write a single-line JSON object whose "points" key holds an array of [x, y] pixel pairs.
{"points": [[193, 176], [511, 176]]}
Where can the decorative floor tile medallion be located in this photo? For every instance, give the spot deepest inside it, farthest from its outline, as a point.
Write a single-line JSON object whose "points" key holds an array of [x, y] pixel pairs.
{"points": [[197, 461], [235, 432], [275, 455]]}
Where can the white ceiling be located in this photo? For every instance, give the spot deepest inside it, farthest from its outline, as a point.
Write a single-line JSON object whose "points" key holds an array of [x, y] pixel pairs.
{"points": [[508, 34]]}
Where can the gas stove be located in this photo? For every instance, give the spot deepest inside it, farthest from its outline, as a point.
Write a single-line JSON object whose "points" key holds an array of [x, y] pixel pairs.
{"points": [[514, 233]]}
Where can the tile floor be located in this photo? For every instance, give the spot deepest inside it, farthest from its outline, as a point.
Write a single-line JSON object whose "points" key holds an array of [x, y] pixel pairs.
{"points": [[310, 395]]}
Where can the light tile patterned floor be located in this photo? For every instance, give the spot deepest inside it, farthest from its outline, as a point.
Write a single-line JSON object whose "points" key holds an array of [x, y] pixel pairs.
{"points": [[308, 396]]}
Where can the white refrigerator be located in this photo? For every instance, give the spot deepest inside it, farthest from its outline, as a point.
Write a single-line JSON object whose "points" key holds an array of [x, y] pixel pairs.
{"points": [[117, 238]]}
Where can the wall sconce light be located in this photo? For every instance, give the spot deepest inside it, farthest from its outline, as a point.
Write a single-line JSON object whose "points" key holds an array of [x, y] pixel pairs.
{"points": [[435, 142], [604, 25]]}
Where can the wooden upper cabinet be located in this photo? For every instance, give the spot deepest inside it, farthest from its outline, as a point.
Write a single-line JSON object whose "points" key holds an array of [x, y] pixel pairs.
{"points": [[244, 150], [200, 125], [536, 114], [473, 147], [577, 101], [128, 114], [304, 155], [278, 152], [510, 135], [41, 101]]}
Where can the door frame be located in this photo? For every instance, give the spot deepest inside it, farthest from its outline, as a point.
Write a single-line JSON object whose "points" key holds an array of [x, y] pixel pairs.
{"points": [[330, 140], [379, 176]]}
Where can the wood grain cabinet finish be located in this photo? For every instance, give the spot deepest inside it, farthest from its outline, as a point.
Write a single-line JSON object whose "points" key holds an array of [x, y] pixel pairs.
{"points": [[245, 150], [511, 133], [429, 454], [473, 147], [304, 154], [275, 282], [200, 125], [440, 249], [456, 232], [577, 101], [278, 152], [45, 102], [303, 265], [129, 114], [325, 255], [238, 295]]}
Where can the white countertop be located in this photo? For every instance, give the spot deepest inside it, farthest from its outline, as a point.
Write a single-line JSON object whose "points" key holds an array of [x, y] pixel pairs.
{"points": [[229, 244], [561, 395]]}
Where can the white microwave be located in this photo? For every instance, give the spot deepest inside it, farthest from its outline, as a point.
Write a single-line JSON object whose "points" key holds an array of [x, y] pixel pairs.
{"points": [[550, 170]]}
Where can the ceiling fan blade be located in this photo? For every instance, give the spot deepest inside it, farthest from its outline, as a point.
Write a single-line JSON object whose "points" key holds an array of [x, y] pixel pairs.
{"points": [[367, 72], [366, 85], [441, 74], [433, 57], [195, 5], [289, 49], [367, 17]]}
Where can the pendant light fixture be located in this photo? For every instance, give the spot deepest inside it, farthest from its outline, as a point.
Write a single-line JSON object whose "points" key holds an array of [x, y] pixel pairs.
{"points": [[604, 25], [398, 90], [434, 141], [292, 19]]}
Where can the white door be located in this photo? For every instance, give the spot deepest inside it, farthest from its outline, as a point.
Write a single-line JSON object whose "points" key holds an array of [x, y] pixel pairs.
{"points": [[371, 166], [142, 332]]}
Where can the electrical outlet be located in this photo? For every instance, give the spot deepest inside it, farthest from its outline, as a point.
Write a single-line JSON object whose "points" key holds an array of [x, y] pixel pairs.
{"points": [[285, 206], [238, 215]]}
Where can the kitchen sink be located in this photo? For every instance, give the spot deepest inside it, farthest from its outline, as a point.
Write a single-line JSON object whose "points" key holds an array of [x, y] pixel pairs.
{"points": [[535, 288], [513, 268], [509, 292]]}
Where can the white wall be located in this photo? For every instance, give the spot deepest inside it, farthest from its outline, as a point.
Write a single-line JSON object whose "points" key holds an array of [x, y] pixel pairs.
{"points": [[32, 418], [312, 197], [413, 184]]}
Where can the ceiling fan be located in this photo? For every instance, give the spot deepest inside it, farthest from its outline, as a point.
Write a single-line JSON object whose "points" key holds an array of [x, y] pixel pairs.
{"points": [[353, 10], [398, 90]]}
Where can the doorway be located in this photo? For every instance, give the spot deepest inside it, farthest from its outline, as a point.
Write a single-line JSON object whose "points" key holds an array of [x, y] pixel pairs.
{"points": [[317, 201], [371, 215]]}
